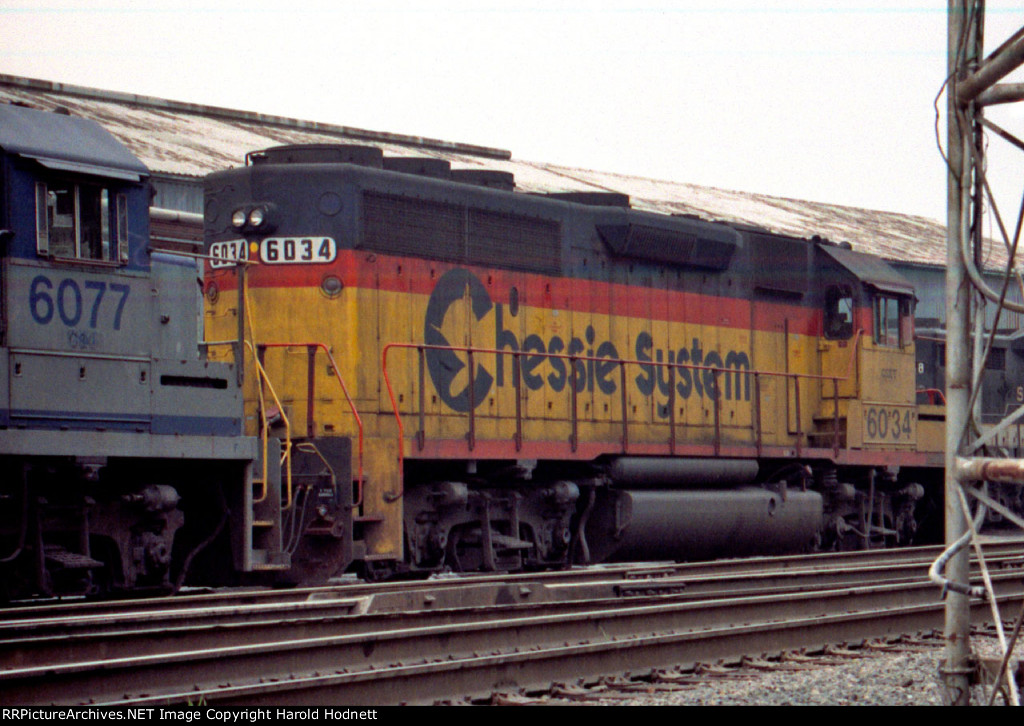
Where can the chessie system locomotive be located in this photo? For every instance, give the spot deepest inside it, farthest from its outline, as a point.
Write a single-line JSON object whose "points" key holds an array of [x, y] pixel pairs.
{"points": [[391, 366], [544, 379]]}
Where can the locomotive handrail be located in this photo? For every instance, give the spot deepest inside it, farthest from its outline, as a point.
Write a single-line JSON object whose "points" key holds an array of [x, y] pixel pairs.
{"points": [[395, 496], [192, 255], [286, 455], [851, 364], [470, 351], [348, 397], [263, 418], [934, 394], [265, 428]]}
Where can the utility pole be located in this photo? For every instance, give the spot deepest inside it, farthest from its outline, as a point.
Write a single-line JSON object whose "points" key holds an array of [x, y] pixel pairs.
{"points": [[972, 85], [964, 42]]}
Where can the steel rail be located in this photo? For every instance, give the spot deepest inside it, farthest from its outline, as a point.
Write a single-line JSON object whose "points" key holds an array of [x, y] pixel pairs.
{"points": [[271, 670], [63, 640], [137, 610], [482, 675]]}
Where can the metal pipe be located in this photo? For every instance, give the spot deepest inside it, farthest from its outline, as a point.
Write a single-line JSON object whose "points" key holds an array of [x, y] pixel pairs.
{"points": [[995, 506], [625, 404], [518, 379], [1002, 471], [835, 417], [757, 412], [716, 401], [574, 436], [471, 435], [936, 571], [175, 215], [992, 434], [871, 509], [1000, 64], [658, 471], [240, 343], [421, 435], [672, 410], [961, 42], [1003, 133], [396, 495], [310, 391], [1001, 93], [799, 422]]}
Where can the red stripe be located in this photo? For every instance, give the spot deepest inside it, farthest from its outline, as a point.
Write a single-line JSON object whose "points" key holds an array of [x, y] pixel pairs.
{"points": [[360, 269]]}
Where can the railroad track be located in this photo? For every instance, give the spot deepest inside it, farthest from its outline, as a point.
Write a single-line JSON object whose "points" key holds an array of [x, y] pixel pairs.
{"points": [[420, 642], [748, 573]]}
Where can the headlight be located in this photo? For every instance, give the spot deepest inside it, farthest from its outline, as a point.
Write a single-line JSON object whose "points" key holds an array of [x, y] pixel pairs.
{"points": [[238, 218], [257, 216]]}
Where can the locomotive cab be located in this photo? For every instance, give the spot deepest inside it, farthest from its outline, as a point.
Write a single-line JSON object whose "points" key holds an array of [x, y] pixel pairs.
{"points": [[868, 405], [114, 427], [867, 351]]}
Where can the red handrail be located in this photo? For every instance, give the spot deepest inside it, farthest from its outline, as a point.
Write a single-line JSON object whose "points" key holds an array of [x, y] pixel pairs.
{"points": [[470, 351], [933, 393]]}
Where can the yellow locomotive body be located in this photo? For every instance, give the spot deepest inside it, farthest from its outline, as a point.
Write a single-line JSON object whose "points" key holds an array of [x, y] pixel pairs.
{"points": [[526, 381]]}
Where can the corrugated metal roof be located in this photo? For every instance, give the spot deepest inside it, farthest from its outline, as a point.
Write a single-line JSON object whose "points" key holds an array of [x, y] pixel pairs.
{"points": [[181, 139]]}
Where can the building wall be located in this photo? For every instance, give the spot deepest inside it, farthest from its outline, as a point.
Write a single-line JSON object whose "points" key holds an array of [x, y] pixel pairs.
{"points": [[930, 285], [179, 194]]}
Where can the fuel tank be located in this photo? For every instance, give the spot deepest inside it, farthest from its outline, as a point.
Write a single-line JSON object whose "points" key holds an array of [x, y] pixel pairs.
{"points": [[706, 524]]}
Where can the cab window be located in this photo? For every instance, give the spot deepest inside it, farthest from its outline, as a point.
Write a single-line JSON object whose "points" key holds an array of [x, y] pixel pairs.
{"points": [[892, 321], [75, 221], [838, 313]]}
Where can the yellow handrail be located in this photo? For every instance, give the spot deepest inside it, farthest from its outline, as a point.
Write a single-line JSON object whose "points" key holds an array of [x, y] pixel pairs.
{"points": [[264, 378], [286, 458], [348, 397], [286, 453]]}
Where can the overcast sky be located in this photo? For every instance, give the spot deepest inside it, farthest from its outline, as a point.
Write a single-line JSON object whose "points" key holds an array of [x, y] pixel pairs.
{"points": [[811, 99]]}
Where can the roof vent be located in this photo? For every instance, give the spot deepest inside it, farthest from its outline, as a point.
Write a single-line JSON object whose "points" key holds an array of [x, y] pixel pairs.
{"points": [[419, 165], [489, 178], [319, 154], [694, 244], [594, 199]]}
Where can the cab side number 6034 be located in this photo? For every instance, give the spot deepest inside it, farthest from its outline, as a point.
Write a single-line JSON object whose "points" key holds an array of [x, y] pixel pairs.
{"points": [[74, 303], [297, 250], [889, 424]]}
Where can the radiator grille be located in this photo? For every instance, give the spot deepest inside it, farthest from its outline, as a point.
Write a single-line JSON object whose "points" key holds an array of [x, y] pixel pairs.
{"points": [[459, 233]]}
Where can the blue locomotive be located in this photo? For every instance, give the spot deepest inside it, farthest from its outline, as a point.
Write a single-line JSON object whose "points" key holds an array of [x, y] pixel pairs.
{"points": [[122, 460]]}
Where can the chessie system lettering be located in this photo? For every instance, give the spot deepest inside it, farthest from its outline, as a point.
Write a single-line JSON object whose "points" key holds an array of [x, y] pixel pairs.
{"points": [[596, 370]]}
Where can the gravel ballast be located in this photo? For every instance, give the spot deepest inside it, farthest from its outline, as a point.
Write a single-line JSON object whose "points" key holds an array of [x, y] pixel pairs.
{"points": [[908, 676]]}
